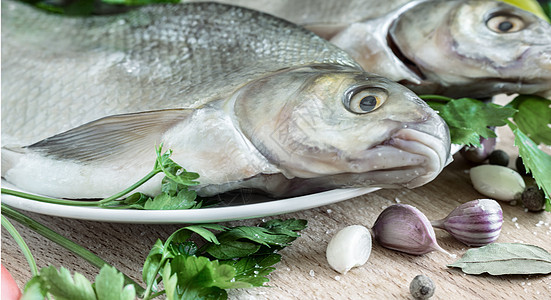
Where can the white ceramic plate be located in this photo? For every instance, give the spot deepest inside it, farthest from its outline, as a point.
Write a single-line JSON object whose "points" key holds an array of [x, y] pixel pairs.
{"points": [[240, 206], [216, 214]]}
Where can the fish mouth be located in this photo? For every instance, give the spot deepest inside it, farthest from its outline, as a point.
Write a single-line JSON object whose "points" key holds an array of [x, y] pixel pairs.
{"points": [[410, 158], [408, 63]]}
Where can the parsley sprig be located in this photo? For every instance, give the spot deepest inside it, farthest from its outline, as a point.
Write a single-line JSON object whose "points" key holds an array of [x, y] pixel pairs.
{"points": [[195, 262]]}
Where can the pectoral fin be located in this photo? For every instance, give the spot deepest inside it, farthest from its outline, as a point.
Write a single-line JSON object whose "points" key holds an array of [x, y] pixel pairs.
{"points": [[111, 137]]}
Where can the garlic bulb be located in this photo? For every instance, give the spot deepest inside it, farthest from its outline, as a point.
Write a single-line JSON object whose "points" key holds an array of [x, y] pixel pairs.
{"points": [[404, 228], [350, 247], [475, 223]]}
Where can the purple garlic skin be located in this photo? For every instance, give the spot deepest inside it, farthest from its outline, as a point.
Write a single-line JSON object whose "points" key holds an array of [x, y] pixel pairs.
{"points": [[475, 223], [404, 228], [479, 154]]}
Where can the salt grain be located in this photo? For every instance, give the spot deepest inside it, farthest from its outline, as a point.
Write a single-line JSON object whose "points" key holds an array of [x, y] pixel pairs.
{"points": [[312, 273], [337, 278], [514, 219], [397, 200], [329, 211]]}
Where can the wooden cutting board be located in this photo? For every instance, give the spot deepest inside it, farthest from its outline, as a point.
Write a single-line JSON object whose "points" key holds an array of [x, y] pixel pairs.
{"points": [[303, 272]]}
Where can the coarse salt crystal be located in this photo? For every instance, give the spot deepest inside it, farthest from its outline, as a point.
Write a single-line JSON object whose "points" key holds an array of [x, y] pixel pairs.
{"points": [[514, 219], [312, 273], [329, 211], [337, 278]]}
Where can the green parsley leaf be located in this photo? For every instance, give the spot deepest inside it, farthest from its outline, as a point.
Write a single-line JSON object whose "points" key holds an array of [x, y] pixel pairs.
{"points": [[533, 117], [174, 171], [468, 119], [33, 290], [61, 285], [536, 161], [199, 278], [183, 200], [254, 269], [109, 285], [244, 241], [288, 227]]}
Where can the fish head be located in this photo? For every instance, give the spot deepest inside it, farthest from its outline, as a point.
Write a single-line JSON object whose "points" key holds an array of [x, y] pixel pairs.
{"points": [[323, 121], [475, 48]]}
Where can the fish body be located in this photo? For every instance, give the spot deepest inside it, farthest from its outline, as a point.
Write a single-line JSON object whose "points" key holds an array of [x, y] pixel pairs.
{"points": [[454, 48], [244, 99]]}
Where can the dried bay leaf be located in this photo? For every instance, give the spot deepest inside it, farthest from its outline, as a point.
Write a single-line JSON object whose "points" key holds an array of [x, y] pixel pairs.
{"points": [[505, 259]]}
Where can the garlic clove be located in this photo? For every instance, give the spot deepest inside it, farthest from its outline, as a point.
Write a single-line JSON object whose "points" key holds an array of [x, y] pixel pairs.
{"points": [[404, 228], [475, 223], [350, 247], [497, 182]]}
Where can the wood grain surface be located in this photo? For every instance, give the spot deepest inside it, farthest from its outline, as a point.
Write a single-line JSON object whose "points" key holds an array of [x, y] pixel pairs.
{"points": [[303, 272]]}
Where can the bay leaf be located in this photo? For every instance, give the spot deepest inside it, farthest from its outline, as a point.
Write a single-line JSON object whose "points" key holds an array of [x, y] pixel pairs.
{"points": [[505, 259]]}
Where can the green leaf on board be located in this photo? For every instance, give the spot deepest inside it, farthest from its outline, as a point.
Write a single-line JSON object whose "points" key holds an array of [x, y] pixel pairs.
{"points": [[533, 117], [468, 119], [505, 259]]}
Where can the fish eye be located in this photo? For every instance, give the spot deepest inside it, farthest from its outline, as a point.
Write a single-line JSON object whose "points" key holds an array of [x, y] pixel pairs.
{"points": [[505, 23], [364, 100]]}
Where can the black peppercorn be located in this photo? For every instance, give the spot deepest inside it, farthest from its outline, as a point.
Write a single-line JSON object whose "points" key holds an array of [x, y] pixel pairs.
{"points": [[533, 198], [422, 287], [499, 157]]}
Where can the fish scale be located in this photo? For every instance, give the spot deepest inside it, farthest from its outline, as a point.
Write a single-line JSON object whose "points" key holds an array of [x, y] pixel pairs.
{"points": [[153, 58]]}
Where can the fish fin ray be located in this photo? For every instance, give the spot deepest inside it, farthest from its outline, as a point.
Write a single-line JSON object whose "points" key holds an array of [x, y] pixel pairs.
{"points": [[112, 137]]}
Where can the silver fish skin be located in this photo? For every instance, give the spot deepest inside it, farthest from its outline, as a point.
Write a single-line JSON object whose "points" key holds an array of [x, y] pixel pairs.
{"points": [[148, 59], [271, 107], [452, 47]]}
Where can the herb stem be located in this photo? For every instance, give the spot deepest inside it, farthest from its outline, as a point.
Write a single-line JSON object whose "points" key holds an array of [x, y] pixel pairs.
{"points": [[157, 294], [19, 240], [47, 199], [150, 175], [62, 241], [435, 97]]}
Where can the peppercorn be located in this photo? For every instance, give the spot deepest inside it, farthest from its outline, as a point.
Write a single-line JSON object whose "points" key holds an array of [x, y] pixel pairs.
{"points": [[499, 157], [533, 198], [521, 169], [422, 287]]}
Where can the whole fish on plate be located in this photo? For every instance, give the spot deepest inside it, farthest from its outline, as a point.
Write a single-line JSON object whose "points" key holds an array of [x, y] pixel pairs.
{"points": [[475, 48], [244, 99]]}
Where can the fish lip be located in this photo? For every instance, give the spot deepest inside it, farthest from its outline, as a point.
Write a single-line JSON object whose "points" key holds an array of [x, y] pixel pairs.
{"points": [[431, 147]]}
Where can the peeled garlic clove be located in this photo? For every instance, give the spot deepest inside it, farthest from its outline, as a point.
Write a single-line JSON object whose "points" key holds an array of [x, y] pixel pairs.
{"points": [[497, 182], [350, 247], [475, 223], [404, 228]]}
